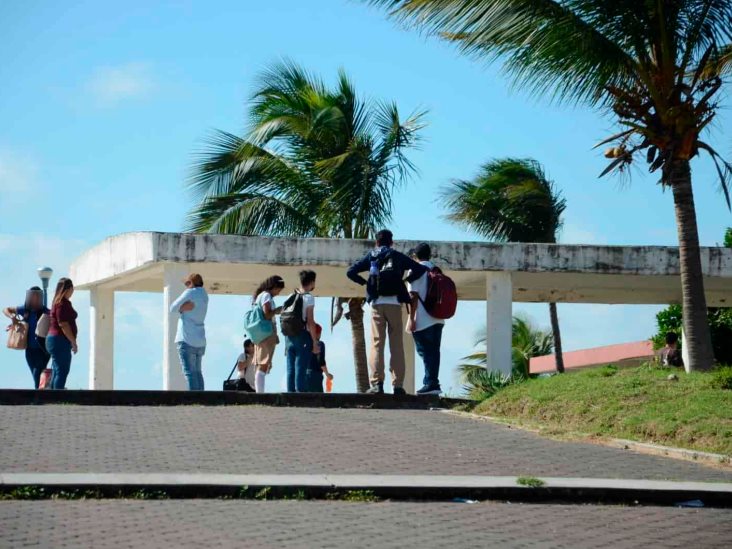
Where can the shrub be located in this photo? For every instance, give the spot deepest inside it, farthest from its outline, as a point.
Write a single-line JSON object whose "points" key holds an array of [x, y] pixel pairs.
{"points": [[722, 378]]}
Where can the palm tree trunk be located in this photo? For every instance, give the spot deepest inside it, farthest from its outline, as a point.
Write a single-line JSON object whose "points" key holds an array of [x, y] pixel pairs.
{"points": [[558, 357], [355, 313], [696, 325]]}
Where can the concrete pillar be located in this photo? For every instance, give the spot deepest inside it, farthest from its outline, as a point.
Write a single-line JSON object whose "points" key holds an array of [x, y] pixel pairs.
{"points": [[409, 354], [173, 379], [101, 337], [499, 302]]}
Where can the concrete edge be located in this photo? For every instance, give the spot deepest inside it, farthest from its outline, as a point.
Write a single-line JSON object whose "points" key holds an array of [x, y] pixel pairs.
{"points": [[399, 487], [722, 461], [20, 397]]}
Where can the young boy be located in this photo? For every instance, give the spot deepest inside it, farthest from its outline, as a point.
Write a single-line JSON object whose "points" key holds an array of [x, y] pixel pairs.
{"points": [[670, 355], [318, 366], [245, 368]]}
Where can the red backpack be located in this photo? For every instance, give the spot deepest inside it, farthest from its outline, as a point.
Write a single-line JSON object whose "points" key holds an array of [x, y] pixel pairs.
{"points": [[441, 299]]}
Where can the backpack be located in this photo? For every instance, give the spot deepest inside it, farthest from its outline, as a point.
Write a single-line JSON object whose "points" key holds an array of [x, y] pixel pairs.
{"points": [[256, 325], [441, 298], [389, 279], [291, 321]]}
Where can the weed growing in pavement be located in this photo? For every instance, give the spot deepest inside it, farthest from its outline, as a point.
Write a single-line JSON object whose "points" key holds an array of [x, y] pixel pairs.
{"points": [[531, 482]]}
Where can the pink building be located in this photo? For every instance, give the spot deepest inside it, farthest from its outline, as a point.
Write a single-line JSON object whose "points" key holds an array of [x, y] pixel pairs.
{"points": [[621, 353]]}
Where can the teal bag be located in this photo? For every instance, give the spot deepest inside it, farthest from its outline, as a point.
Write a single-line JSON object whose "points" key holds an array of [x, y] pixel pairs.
{"points": [[257, 327]]}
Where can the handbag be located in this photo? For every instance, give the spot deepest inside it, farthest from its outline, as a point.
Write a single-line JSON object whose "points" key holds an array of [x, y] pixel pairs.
{"points": [[239, 384], [256, 325], [18, 335], [42, 326]]}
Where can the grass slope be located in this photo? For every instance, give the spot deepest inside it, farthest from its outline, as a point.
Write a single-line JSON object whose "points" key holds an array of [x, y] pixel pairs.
{"points": [[639, 404]]}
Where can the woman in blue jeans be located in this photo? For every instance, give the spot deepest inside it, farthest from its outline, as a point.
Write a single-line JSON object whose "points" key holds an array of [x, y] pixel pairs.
{"points": [[190, 337], [35, 353], [62, 332]]}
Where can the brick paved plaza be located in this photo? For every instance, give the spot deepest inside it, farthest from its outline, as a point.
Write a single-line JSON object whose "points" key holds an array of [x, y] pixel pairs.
{"points": [[272, 440], [257, 439], [214, 523]]}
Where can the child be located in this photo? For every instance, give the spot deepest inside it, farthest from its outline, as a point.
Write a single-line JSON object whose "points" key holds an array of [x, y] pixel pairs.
{"points": [[264, 350], [670, 355], [245, 366], [318, 366]]}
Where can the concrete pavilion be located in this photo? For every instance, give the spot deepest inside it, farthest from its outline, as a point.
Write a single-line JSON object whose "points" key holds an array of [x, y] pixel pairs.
{"points": [[498, 274]]}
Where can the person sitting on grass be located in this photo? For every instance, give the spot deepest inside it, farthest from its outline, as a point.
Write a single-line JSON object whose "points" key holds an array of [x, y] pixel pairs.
{"points": [[318, 367], [670, 355]]}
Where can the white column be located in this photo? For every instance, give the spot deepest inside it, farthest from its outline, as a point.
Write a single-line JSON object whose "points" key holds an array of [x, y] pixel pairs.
{"points": [[173, 379], [499, 294], [101, 337], [409, 353]]}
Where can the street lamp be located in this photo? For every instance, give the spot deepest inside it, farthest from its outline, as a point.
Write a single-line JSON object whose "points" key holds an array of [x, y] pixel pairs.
{"points": [[44, 273]]}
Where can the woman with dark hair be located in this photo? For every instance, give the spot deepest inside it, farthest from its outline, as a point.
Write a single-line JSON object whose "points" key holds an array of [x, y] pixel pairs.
{"points": [[190, 337], [264, 350], [32, 310], [62, 331]]}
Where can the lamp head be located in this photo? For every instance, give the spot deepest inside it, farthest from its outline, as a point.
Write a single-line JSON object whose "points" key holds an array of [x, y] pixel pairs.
{"points": [[45, 273]]}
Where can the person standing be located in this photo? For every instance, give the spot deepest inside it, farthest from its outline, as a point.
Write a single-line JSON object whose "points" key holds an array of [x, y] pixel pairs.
{"points": [[190, 337], [297, 321], [35, 353], [425, 329], [318, 367], [386, 293], [264, 350], [62, 332]]}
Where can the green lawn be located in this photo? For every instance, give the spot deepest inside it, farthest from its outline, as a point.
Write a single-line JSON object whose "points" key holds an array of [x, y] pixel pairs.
{"points": [[639, 404]]}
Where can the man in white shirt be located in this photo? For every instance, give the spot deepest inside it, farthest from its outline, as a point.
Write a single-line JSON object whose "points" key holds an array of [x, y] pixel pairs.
{"points": [[426, 330], [300, 347]]}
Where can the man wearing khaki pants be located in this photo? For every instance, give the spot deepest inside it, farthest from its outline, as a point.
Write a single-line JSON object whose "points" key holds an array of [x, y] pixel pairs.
{"points": [[387, 294]]}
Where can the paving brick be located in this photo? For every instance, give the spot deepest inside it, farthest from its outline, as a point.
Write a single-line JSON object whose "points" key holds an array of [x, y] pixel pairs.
{"points": [[256, 439], [216, 523]]}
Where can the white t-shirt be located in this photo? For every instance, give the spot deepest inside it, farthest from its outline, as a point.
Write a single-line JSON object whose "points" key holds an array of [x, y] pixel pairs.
{"points": [[266, 297], [308, 301], [423, 319], [248, 372], [386, 300]]}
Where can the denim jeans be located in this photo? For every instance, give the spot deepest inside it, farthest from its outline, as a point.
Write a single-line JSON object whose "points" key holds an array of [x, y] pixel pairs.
{"points": [[191, 359], [299, 352], [60, 350], [37, 359], [428, 342]]}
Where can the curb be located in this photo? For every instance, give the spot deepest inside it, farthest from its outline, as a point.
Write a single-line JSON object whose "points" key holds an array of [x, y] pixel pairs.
{"points": [[22, 397], [722, 461], [395, 487]]}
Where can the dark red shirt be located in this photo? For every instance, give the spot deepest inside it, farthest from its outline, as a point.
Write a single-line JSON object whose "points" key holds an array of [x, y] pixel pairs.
{"points": [[62, 312]]}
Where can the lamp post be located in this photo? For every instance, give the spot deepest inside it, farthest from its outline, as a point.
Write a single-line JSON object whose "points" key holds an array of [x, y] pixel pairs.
{"points": [[44, 273]]}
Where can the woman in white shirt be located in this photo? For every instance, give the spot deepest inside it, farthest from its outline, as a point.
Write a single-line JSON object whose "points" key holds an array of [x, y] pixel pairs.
{"points": [[264, 350]]}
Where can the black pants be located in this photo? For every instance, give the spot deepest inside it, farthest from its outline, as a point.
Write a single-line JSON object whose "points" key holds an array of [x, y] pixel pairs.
{"points": [[37, 359]]}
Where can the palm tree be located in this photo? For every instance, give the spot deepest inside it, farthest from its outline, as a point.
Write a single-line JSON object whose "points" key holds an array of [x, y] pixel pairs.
{"points": [[315, 162], [526, 341], [655, 66], [511, 200]]}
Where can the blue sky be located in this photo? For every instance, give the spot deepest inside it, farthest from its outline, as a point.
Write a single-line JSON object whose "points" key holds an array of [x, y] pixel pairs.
{"points": [[103, 104]]}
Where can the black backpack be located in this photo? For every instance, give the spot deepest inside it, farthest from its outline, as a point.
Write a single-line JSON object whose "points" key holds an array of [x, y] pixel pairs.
{"points": [[389, 280], [291, 322]]}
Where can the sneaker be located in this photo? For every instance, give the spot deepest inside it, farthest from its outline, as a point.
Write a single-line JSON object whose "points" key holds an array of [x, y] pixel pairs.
{"points": [[399, 391], [376, 389], [430, 390]]}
